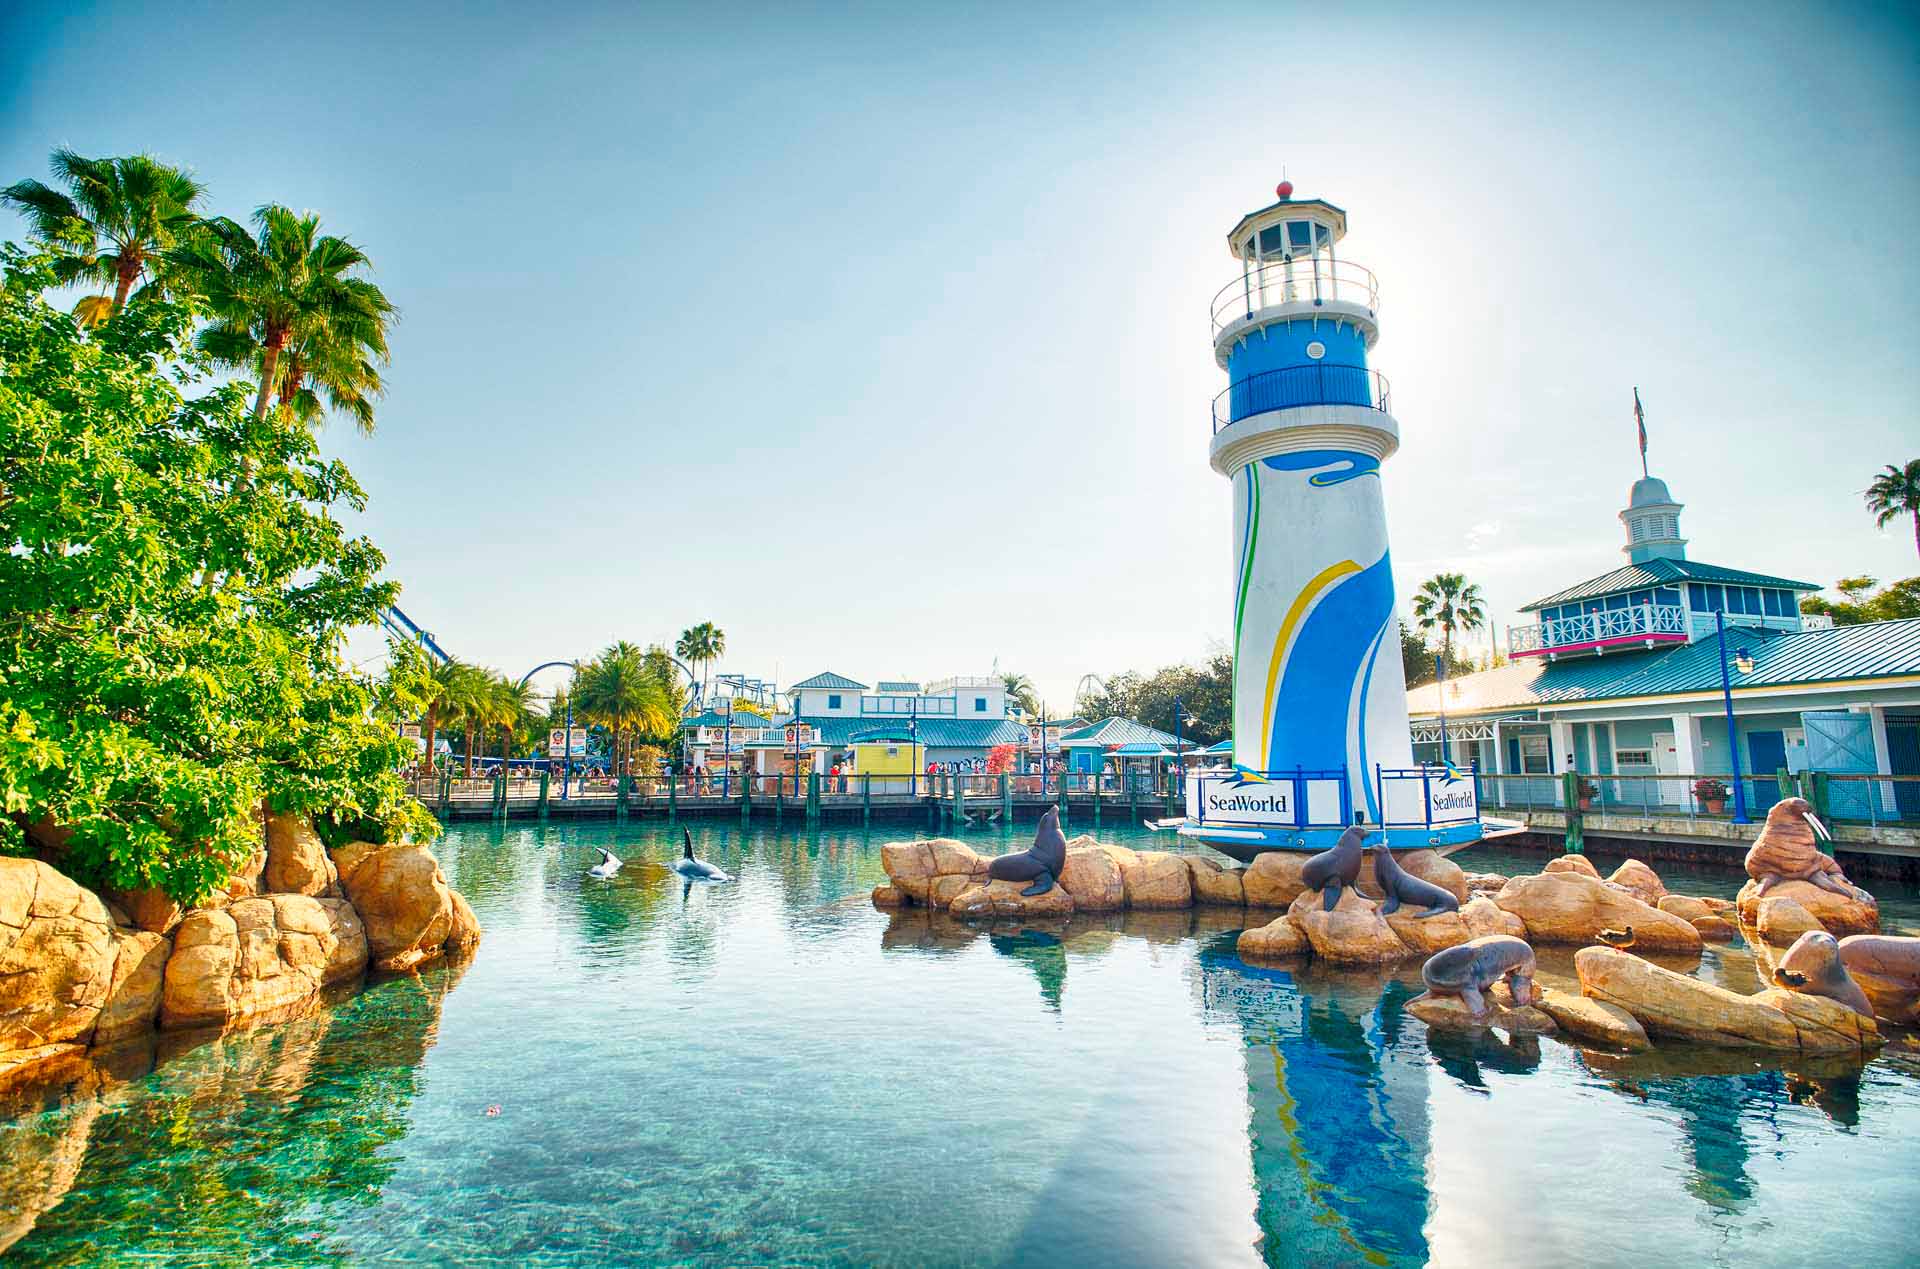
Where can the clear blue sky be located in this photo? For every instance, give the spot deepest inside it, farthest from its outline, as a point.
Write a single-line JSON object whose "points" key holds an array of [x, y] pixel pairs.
{"points": [[878, 334]]}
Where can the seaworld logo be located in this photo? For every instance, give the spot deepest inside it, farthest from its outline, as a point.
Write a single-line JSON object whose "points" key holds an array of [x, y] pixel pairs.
{"points": [[1268, 804], [1461, 801], [1343, 465]]}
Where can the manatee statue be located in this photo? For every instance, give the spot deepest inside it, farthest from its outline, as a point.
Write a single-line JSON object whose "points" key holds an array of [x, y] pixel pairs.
{"points": [[1467, 970], [1040, 863], [1813, 965], [1785, 851], [1401, 886], [1338, 866]]}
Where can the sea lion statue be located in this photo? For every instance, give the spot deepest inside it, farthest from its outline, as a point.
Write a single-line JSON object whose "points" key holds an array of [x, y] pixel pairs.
{"points": [[1337, 866], [1401, 886], [1889, 966], [1814, 967], [1468, 969], [1040, 863], [1785, 851]]}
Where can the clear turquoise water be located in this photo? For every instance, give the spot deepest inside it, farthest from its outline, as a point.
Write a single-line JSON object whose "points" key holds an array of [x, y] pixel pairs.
{"points": [[774, 1072]]}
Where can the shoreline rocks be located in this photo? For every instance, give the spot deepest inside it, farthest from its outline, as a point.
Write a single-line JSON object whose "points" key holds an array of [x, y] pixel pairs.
{"points": [[1571, 906], [1838, 914], [1668, 1003]]}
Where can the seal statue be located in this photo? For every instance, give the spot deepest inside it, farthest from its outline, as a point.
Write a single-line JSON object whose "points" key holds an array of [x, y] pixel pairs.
{"points": [[1401, 886], [1813, 965], [1040, 863], [1338, 866], [607, 866], [1891, 966], [695, 869], [1467, 970], [1785, 851]]}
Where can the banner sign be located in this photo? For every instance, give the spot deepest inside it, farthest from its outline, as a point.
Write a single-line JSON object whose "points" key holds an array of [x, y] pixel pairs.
{"points": [[799, 735], [557, 746]]}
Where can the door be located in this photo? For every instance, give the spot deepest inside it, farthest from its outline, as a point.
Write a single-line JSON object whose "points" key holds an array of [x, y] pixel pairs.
{"points": [[1842, 742], [1766, 755], [1903, 753], [1666, 760]]}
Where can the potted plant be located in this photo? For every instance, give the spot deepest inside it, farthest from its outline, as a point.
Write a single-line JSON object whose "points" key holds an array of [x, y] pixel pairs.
{"points": [[1712, 794], [1588, 792]]}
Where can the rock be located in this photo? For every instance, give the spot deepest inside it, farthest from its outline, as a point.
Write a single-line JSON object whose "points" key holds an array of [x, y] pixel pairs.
{"points": [[945, 888], [1157, 879], [1426, 935], [912, 866], [1093, 877], [1450, 1013], [1887, 968], [1003, 899], [1675, 1004], [245, 882], [1838, 914], [56, 956], [1573, 863], [1483, 917], [1427, 865], [139, 973], [1719, 907], [259, 956], [1595, 1020], [1272, 880], [297, 863], [889, 897], [1642, 881], [1714, 929], [1683, 906], [1277, 938], [1215, 884], [403, 900], [1354, 933], [1570, 907], [1487, 882], [1781, 921]]}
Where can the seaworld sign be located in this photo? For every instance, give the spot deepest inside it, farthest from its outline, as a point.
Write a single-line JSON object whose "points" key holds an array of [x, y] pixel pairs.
{"points": [[1243, 800]]}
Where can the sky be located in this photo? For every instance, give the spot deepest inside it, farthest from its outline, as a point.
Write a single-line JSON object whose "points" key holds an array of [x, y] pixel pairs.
{"points": [[878, 334]]}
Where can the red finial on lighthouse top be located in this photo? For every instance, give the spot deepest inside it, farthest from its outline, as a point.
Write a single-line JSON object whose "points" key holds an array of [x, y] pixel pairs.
{"points": [[1284, 189]]}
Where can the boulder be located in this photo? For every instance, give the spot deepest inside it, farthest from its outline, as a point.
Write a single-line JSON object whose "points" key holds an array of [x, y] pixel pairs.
{"points": [[466, 926], [945, 888], [1277, 938], [1093, 877], [1838, 914], [149, 909], [1272, 880], [1719, 907], [1573, 863], [1450, 1013], [259, 956], [1686, 907], [139, 973], [1485, 882], [1642, 881], [56, 956], [1354, 933], [912, 866], [1215, 884], [1715, 929], [1157, 879], [1427, 865], [246, 880], [889, 897], [1483, 917], [1676, 1004], [297, 862], [1781, 921], [403, 899], [1003, 899], [1570, 907], [1595, 1020], [1426, 935]]}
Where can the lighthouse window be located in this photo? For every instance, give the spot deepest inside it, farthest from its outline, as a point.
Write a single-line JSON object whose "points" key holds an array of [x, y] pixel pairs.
{"points": [[1300, 233]]}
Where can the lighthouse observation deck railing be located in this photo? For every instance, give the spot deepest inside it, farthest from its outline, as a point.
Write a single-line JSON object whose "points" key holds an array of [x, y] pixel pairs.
{"points": [[1595, 630], [1304, 281], [1295, 387]]}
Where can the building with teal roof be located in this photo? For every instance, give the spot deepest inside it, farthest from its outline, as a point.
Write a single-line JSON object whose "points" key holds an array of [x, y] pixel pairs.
{"points": [[1115, 744]]}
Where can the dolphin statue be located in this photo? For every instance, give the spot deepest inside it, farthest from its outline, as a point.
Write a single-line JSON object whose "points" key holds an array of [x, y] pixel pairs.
{"points": [[696, 869], [607, 866]]}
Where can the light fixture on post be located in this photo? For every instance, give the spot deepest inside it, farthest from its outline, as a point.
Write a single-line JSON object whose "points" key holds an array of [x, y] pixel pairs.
{"points": [[1743, 660]]}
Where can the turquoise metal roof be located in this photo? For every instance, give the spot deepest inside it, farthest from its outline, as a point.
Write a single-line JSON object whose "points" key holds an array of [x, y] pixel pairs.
{"points": [[1143, 749], [714, 718], [938, 733], [898, 687], [1121, 731], [829, 679], [1225, 746], [1661, 572], [1875, 650]]}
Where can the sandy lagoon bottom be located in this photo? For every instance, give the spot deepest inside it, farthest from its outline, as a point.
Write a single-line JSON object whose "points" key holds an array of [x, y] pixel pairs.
{"points": [[774, 1072]]}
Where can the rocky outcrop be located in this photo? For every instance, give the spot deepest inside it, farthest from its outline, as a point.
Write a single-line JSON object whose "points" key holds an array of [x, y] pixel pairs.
{"points": [[1573, 863], [1643, 882], [1838, 914], [1781, 921], [1485, 882], [1686, 907], [889, 896], [56, 956], [1354, 933], [1450, 1013], [1713, 929], [1426, 935], [1675, 1004], [296, 861], [1215, 884], [1003, 899], [1483, 917], [1277, 938], [1156, 879], [1273, 880], [1596, 1021], [259, 956], [132, 1005], [404, 901], [912, 866], [149, 909], [1568, 906], [1427, 865], [1093, 877]]}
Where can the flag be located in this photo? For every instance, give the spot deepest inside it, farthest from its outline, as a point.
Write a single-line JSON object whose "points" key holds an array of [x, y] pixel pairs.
{"points": [[1640, 419]]}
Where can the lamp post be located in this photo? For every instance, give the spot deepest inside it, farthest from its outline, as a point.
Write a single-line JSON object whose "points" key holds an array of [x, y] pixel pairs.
{"points": [[1733, 744], [1179, 753], [1440, 673], [913, 742], [726, 756]]}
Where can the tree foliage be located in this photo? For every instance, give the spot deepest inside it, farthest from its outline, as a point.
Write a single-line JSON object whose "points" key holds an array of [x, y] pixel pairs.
{"points": [[1895, 492], [1205, 693], [170, 649], [1859, 602]]}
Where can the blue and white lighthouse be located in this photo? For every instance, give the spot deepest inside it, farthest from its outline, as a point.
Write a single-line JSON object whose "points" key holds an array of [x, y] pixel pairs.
{"points": [[1319, 700]]}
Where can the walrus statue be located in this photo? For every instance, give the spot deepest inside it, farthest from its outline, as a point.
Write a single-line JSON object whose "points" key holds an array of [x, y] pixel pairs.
{"points": [[1468, 969], [1040, 863], [1785, 851], [1813, 966], [1337, 866], [1401, 886]]}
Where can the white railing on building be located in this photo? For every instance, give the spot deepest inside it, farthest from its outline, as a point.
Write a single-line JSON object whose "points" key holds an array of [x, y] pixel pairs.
{"points": [[1816, 621], [1598, 627], [1304, 281], [963, 681]]}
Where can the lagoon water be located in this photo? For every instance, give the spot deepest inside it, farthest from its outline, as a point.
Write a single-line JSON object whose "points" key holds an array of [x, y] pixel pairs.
{"points": [[773, 1072]]}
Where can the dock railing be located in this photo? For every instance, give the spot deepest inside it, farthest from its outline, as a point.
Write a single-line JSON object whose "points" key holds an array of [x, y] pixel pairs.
{"points": [[1870, 799]]}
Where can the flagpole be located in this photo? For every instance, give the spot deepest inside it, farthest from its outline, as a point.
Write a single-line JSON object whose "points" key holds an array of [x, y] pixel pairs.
{"points": [[1640, 419]]}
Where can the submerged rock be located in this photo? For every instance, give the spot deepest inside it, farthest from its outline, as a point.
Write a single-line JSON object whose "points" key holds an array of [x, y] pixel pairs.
{"points": [[889, 897], [1676, 1004], [1569, 906]]}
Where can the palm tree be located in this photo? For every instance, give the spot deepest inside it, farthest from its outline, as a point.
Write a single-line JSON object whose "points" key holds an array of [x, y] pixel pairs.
{"points": [[114, 223], [446, 686], [1895, 492], [1451, 602], [702, 644], [617, 691], [318, 371], [469, 703], [1020, 692], [289, 287], [512, 712]]}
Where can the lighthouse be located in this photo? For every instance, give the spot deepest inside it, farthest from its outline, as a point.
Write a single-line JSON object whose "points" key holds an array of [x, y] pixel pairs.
{"points": [[1320, 736]]}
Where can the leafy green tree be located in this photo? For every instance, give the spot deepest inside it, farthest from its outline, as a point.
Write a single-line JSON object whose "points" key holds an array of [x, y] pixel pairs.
{"points": [[1205, 694], [1450, 603], [1895, 492], [144, 717], [618, 691], [114, 221], [1859, 602]]}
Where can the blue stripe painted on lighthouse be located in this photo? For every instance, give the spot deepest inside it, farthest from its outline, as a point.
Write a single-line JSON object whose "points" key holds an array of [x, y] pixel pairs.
{"points": [[1310, 714]]}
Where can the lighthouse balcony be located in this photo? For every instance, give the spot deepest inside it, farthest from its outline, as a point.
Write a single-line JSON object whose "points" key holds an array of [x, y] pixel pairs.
{"points": [[1297, 387], [1596, 633], [1315, 282]]}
